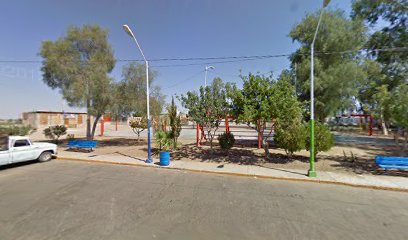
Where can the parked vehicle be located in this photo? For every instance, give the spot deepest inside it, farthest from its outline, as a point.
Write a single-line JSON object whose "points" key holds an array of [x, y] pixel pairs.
{"points": [[15, 149]]}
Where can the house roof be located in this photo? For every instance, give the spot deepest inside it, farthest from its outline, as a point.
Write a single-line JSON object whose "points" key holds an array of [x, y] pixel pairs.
{"points": [[57, 112]]}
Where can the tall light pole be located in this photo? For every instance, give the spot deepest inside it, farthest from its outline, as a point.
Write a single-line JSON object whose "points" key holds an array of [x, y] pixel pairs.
{"points": [[206, 70], [149, 149], [312, 169]]}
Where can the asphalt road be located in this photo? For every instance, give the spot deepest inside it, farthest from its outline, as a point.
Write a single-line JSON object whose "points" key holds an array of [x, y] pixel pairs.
{"points": [[73, 200]]}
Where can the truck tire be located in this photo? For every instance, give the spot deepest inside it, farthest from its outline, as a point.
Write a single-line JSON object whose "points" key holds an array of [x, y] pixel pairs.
{"points": [[45, 157]]}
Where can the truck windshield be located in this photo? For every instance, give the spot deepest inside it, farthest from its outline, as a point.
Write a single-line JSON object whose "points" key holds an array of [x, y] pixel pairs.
{"points": [[3, 143]]}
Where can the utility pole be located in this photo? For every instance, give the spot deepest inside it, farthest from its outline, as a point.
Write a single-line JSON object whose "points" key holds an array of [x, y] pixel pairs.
{"points": [[312, 169]]}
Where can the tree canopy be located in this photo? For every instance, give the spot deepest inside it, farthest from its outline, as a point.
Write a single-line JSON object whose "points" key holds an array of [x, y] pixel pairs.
{"points": [[335, 73], [393, 15], [209, 107], [131, 92], [78, 65], [387, 70], [265, 103]]}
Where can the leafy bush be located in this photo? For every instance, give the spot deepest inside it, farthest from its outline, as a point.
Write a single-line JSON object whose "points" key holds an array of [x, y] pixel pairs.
{"points": [[70, 136], [14, 130], [324, 139], [163, 140], [226, 140], [291, 138], [138, 125], [55, 132]]}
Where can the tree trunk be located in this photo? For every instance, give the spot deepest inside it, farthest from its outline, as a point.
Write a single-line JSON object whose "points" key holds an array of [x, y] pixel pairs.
{"points": [[383, 125], [396, 138], [265, 145], [404, 148], [88, 126], [88, 119], [94, 126], [175, 143]]}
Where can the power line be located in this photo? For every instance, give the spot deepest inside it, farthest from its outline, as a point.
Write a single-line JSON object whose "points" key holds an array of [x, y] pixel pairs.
{"points": [[234, 58], [207, 63], [180, 82]]}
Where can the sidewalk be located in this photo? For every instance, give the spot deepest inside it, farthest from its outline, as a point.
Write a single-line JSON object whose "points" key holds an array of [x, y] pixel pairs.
{"points": [[368, 181]]}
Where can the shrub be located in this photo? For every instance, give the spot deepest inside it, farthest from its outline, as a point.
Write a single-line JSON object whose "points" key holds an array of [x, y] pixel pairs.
{"points": [[55, 132], [163, 140], [226, 140], [14, 130], [138, 125], [70, 136], [324, 139], [291, 138]]}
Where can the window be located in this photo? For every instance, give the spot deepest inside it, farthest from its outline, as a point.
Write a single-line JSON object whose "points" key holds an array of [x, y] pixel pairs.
{"points": [[21, 143], [3, 143]]}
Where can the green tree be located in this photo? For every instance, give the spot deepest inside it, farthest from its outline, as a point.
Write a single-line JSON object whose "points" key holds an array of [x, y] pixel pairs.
{"points": [[175, 122], [253, 104], [388, 69], [388, 20], [382, 99], [78, 65], [336, 74], [209, 107], [131, 92], [262, 102], [399, 114], [289, 132]]}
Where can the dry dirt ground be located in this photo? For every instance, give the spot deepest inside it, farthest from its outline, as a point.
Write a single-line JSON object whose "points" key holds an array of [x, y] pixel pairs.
{"points": [[353, 154]]}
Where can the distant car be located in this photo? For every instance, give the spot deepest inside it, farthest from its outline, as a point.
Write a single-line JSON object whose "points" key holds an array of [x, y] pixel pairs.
{"points": [[15, 149]]}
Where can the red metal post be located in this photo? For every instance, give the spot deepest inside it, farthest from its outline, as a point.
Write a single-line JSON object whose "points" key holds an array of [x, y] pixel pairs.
{"points": [[370, 128], [197, 134], [259, 141], [227, 130]]}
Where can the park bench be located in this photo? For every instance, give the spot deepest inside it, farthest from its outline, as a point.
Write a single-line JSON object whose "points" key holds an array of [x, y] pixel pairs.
{"points": [[82, 144], [400, 163]]}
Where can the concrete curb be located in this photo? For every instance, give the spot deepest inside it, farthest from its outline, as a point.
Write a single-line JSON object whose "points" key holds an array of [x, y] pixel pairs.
{"points": [[239, 174]]}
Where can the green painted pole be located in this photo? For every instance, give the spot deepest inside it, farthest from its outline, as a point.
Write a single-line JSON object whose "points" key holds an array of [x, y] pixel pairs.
{"points": [[312, 169]]}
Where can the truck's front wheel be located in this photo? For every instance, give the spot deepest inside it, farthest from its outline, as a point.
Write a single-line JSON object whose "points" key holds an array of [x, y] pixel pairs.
{"points": [[45, 156]]}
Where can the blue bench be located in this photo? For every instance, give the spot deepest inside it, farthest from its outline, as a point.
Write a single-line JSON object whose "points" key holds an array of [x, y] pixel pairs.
{"points": [[400, 163], [82, 144]]}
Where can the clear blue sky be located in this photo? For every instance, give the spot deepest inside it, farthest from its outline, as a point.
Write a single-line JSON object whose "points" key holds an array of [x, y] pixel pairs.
{"points": [[165, 29]]}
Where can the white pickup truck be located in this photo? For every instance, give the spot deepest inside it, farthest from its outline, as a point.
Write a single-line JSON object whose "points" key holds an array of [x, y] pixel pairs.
{"points": [[15, 149]]}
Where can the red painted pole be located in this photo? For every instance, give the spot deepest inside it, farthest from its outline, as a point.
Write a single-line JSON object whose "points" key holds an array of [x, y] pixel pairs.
{"points": [[370, 128], [197, 135], [227, 130]]}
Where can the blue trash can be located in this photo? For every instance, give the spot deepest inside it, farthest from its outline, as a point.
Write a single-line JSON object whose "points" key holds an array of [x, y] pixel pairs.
{"points": [[164, 158]]}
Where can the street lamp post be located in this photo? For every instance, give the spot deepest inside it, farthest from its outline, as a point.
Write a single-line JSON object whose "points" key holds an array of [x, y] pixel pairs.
{"points": [[149, 149], [312, 169], [206, 70]]}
